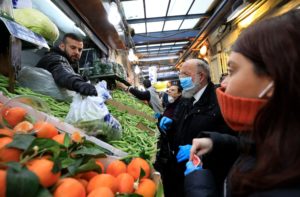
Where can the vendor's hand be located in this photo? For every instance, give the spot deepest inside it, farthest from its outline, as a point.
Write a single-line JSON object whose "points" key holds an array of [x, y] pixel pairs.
{"points": [[190, 167], [87, 89], [157, 115], [201, 146], [121, 86], [183, 153], [165, 123]]}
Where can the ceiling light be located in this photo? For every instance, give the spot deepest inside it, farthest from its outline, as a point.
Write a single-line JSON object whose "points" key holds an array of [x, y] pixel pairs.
{"points": [[158, 58], [131, 56], [137, 69], [114, 16], [203, 50]]}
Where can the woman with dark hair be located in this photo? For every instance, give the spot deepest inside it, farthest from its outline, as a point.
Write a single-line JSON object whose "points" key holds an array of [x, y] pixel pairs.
{"points": [[260, 99]]}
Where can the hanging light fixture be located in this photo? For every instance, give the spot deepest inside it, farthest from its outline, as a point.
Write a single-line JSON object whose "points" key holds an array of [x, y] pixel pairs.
{"points": [[203, 50], [137, 69], [114, 15], [131, 56]]}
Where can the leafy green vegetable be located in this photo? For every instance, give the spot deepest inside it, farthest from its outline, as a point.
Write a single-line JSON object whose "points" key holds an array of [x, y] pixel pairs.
{"points": [[37, 22]]}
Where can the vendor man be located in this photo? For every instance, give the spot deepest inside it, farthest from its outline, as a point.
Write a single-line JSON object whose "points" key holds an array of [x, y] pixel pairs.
{"points": [[62, 62]]}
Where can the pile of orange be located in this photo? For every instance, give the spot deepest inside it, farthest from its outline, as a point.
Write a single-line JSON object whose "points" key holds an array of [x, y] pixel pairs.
{"points": [[116, 178]]}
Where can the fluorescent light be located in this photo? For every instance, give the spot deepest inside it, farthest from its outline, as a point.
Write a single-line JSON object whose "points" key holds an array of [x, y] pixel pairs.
{"points": [[137, 69], [158, 58], [114, 16]]}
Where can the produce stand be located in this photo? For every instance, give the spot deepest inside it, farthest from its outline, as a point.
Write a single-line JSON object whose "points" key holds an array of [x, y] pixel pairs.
{"points": [[65, 127], [109, 78]]}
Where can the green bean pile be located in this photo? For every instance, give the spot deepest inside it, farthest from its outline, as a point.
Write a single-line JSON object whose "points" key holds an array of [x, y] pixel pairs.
{"points": [[58, 109], [131, 101], [135, 141]]}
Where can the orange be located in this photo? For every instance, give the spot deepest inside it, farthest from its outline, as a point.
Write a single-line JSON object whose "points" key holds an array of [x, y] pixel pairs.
{"points": [[14, 115], [76, 137], [2, 183], [59, 138], [146, 188], [134, 168], [125, 183], [6, 132], [23, 127], [45, 130], [8, 154], [116, 167], [102, 180], [69, 187], [101, 192], [43, 169]]}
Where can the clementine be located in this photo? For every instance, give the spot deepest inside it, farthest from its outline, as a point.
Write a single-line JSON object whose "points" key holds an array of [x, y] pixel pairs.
{"points": [[116, 167], [146, 188], [69, 187], [125, 183], [43, 169], [102, 180], [8, 154], [134, 168]]}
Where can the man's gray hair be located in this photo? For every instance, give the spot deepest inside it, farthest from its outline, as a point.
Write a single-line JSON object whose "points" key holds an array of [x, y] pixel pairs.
{"points": [[202, 65]]}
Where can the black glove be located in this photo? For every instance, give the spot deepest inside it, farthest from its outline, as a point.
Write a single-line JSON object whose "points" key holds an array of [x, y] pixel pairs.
{"points": [[87, 89]]}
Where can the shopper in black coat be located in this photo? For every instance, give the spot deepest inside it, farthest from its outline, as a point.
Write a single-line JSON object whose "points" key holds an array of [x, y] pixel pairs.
{"points": [[62, 63], [198, 111], [165, 156], [260, 100]]}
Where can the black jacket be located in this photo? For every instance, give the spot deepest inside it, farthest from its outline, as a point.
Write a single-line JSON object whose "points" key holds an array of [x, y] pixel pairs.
{"points": [[204, 115], [190, 121], [227, 154], [58, 64]]}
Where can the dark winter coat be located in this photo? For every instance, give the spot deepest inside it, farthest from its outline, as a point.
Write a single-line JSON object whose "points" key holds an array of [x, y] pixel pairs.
{"points": [[58, 64], [226, 153], [190, 121]]}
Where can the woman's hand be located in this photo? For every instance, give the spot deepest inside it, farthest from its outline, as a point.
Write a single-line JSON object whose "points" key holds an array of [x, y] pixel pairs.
{"points": [[201, 146]]}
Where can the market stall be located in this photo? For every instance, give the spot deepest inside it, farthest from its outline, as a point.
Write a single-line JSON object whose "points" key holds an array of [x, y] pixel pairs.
{"points": [[73, 149]]}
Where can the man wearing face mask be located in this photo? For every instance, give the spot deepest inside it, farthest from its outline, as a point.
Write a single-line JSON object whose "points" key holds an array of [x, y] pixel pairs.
{"points": [[62, 63], [198, 111]]}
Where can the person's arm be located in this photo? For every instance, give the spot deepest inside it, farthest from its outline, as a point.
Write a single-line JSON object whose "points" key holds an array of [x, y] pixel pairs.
{"points": [[142, 95], [64, 75]]}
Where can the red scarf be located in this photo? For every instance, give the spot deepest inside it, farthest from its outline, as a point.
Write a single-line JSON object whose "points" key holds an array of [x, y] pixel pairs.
{"points": [[239, 113]]}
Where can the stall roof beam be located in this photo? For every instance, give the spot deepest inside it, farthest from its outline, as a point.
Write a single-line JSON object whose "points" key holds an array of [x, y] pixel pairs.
{"points": [[169, 36], [169, 18]]}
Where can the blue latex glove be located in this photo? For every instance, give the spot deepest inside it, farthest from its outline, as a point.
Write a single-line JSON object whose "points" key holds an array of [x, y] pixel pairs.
{"points": [[157, 115], [165, 123], [183, 153], [191, 168]]}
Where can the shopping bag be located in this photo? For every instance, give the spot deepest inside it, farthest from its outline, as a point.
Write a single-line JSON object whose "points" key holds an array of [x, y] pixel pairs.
{"points": [[91, 114]]}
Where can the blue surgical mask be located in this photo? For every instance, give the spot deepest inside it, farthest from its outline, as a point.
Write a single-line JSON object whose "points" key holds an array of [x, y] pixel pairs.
{"points": [[186, 83]]}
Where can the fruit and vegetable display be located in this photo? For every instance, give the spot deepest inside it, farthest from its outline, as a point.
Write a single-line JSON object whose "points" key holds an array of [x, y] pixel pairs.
{"points": [[58, 109], [37, 159], [134, 141]]}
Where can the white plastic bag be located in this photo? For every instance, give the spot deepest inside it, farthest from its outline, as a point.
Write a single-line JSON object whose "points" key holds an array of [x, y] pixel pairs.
{"points": [[91, 114]]}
